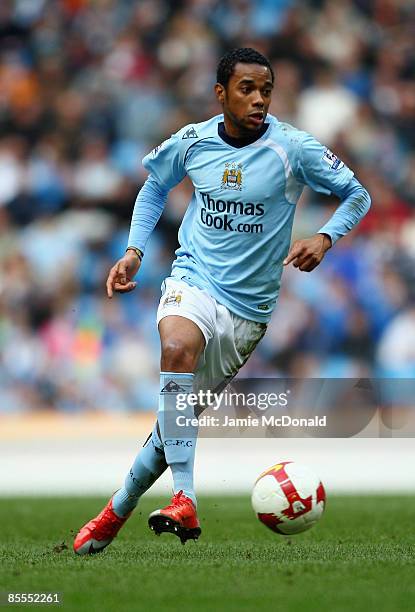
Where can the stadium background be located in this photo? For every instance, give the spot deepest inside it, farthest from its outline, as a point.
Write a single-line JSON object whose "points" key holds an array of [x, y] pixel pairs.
{"points": [[86, 89]]}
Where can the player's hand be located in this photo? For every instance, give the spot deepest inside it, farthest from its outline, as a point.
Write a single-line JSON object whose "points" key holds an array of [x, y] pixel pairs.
{"points": [[120, 277], [307, 254]]}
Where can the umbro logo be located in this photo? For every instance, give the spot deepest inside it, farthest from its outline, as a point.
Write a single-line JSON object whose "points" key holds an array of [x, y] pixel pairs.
{"points": [[191, 133], [173, 387]]}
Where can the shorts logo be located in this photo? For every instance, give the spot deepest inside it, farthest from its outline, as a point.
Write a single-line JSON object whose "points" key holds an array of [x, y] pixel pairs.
{"points": [[232, 176], [173, 298], [332, 160]]}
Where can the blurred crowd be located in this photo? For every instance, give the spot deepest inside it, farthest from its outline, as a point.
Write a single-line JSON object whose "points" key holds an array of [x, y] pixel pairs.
{"points": [[87, 87]]}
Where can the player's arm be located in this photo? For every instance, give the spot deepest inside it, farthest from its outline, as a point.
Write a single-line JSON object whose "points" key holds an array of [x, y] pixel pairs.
{"points": [[325, 173], [148, 208], [167, 170]]}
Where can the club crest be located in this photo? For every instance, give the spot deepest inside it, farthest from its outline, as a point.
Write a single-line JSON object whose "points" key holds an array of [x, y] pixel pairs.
{"points": [[232, 176]]}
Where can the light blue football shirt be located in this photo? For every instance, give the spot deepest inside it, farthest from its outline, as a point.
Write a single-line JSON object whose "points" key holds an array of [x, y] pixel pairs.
{"points": [[236, 231]]}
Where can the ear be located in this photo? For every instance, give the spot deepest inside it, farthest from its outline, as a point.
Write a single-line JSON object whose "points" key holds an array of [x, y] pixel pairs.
{"points": [[220, 93]]}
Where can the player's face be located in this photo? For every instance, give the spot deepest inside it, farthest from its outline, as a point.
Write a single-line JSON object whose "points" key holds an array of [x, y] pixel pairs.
{"points": [[246, 99]]}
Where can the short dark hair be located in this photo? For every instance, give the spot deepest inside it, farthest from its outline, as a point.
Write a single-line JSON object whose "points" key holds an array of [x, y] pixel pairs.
{"points": [[245, 55]]}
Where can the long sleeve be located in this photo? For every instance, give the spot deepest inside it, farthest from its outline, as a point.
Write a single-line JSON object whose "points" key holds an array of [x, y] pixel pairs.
{"points": [[355, 202], [166, 167], [324, 172], [148, 207]]}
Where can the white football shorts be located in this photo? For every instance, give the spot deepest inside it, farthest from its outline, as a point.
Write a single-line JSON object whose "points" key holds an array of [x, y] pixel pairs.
{"points": [[229, 339]]}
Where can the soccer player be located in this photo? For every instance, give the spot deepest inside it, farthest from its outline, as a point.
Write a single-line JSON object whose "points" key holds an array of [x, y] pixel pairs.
{"points": [[248, 171]]}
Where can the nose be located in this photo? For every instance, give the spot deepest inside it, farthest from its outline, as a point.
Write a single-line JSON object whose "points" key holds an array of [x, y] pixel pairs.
{"points": [[258, 100]]}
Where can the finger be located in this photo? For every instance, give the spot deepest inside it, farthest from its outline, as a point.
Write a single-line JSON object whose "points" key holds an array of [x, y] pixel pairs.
{"points": [[111, 280], [300, 260], [293, 254], [109, 287], [308, 264], [124, 287], [122, 272]]}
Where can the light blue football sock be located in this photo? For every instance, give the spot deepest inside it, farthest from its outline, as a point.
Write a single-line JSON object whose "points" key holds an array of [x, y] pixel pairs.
{"points": [[179, 437], [149, 465]]}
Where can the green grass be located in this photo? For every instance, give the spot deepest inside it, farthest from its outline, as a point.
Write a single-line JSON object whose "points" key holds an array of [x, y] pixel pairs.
{"points": [[359, 558]]}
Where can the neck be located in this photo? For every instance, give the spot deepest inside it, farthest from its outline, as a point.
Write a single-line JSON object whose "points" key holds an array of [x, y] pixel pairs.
{"points": [[242, 141], [235, 131]]}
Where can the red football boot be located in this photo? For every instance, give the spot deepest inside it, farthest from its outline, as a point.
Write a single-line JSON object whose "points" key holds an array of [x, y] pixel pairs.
{"points": [[99, 532], [179, 517]]}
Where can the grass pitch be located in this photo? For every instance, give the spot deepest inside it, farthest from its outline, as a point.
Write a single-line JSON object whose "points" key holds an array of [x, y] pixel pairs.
{"points": [[360, 557]]}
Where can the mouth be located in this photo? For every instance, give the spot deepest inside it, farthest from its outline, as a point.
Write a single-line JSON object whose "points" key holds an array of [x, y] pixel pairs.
{"points": [[257, 118]]}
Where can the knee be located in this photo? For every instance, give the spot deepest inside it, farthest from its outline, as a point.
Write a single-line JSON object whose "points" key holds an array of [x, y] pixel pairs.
{"points": [[177, 356]]}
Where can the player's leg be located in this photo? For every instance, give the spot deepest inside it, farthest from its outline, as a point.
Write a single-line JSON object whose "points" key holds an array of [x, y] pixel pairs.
{"points": [[149, 464], [186, 318], [220, 360], [182, 343], [230, 345]]}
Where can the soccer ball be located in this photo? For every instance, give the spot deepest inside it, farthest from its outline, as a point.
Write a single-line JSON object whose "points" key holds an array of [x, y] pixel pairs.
{"points": [[288, 498]]}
